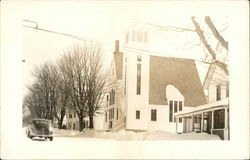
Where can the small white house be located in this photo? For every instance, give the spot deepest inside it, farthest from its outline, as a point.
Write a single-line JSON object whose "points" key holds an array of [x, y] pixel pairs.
{"points": [[212, 117]]}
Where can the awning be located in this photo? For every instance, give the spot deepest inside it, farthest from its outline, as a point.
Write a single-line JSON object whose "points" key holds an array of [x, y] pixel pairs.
{"points": [[203, 108]]}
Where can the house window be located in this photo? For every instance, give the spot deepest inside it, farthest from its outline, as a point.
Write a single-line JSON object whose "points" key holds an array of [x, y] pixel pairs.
{"points": [[117, 113], [107, 97], [195, 119], [74, 114], [74, 126], [106, 116], [113, 113], [175, 106], [109, 113], [110, 124], [180, 105], [70, 115], [153, 114], [170, 111], [138, 87], [137, 114], [219, 119], [218, 92], [112, 97], [180, 120]]}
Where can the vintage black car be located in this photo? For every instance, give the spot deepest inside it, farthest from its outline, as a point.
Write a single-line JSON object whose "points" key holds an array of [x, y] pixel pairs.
{"points": [[40, 128]]}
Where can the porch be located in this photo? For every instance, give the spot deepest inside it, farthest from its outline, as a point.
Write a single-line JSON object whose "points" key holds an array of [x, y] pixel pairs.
{"points": [[212, 118]]}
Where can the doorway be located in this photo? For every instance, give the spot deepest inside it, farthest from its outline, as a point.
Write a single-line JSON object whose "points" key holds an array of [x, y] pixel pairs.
{"points": [[207, 122]]}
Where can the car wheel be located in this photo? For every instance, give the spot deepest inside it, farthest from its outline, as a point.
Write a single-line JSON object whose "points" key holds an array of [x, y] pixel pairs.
{"points": [[51, 138], [28, 134]]}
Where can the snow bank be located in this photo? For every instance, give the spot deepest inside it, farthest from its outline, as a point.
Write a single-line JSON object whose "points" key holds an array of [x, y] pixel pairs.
{"points": [[124, 135]]}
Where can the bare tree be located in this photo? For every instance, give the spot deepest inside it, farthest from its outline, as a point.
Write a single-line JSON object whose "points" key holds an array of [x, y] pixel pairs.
{"points": [[44, 91], [73, 67], [83, 69], [64, 93], [97, 78]]}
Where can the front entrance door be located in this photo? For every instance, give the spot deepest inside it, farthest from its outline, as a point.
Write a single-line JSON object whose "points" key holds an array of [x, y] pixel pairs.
{"points": [[187, 124], [110, 124], [207, 122]]}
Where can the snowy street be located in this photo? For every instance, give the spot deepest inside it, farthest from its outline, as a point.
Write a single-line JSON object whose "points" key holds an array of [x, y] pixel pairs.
{"points": [[72, 135], [98, 144]]}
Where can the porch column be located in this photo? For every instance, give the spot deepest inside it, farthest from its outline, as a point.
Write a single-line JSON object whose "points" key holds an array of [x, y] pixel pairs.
{"points": [[176, 122], [192, 121], [226, 137], [202, 120], [226, 118], [212, 122]]}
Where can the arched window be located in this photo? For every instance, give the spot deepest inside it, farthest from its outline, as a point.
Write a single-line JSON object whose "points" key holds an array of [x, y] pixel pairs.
{"points": [[136, 36]]}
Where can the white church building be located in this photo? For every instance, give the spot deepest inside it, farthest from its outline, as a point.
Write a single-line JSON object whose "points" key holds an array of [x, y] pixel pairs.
{"points": [[154, 87]]}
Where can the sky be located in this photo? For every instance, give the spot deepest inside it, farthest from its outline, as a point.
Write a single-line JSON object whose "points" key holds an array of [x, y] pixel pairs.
{"points": [[104, 22]]}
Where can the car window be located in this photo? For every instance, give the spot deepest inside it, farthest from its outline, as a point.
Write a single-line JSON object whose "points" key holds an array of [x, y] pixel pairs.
{"points": [[40, 123]]}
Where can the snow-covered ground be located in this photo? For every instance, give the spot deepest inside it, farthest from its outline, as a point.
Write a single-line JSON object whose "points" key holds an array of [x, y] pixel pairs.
{"points": [[130, 135], [98, 144]]}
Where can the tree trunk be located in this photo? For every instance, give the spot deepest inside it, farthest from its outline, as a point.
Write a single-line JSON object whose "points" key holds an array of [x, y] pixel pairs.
{"points": [[80, 124], [60, 121], [60, 124], [91, 124]]}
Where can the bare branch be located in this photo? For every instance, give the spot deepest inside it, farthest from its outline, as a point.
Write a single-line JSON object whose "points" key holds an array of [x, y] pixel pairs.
{"points": [[203, 39], [216, 33]]}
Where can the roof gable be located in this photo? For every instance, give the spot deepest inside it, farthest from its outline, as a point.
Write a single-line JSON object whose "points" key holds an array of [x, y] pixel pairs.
{"points": [[214, 71], [181, 73]]}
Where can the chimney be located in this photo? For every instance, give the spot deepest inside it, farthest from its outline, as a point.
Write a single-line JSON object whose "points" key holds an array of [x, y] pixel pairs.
{"points": [[116, 45]]}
